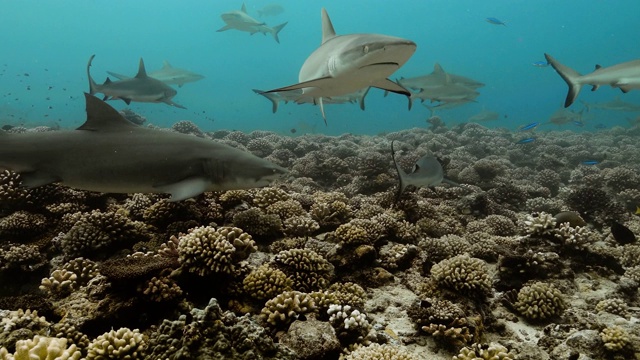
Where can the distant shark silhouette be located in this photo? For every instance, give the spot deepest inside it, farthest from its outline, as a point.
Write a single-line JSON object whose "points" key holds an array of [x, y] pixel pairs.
{"points": [[344, 64], [141, 88], [112, 155], [168, 74], [241, 21]]}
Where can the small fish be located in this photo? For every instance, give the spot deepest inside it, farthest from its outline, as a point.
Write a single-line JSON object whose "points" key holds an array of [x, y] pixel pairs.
{"points": [[600, 126], [590, 162], [293, 130], [526, 140], [494, 21], [527, 127], [579, 123], [622, 234], [540, 64], [637, 210]]}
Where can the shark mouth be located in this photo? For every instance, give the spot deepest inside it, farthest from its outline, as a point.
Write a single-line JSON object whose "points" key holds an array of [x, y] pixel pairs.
{"points": [[381, 63]]}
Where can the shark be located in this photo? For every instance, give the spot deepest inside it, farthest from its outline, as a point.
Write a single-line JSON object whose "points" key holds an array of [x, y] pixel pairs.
{"points": [[296, 96], [615, 105], [484, 115], [241, 21], [344, 64], [427, 171], [449, 91], [625, 76], [110, 154], [437, 78], [168, 74], [140, 88]]}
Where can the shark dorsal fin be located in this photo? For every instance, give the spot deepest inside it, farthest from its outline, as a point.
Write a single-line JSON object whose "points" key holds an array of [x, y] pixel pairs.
{"points": [[166, 65], [102, 117], [437, 69], [243, 8], [142, 73], [327, 27], [598, 66]]}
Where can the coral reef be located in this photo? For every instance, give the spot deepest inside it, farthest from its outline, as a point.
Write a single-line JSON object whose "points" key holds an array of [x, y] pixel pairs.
{"points": [[327, 264]]}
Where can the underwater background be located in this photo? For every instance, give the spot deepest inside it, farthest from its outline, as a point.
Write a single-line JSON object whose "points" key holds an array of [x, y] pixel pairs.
{"points": [[46, 45]]}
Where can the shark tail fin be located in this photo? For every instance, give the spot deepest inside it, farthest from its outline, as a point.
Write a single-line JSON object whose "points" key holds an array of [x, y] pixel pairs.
{"points": [[570, 76], [93, 87], [432, 110], [401, 184], [324, 117], [271, 97], [276, 30]]}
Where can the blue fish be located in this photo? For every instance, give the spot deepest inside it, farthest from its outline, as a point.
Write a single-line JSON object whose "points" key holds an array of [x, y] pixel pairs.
{"points": [[590, 162], [578, 123], [540, 64], [526, 140], [600, 126], [494, 21], [531, 126]]}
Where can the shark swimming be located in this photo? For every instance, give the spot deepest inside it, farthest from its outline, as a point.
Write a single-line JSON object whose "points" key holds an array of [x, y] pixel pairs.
{"points": [[112, 155], [427, 171], [140, 88], [625, 76], [344, 64], [241, 21], [168, 74], [296, 96]]}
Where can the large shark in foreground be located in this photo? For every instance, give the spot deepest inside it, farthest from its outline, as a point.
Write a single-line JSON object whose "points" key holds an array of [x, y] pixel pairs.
{"points": [[140, 88], [112, 155], [168, 74], [625, 76], [344, 64], [240, 20]]}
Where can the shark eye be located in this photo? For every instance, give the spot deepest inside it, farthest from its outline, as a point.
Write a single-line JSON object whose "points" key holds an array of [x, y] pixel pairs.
{"points": [[365, 49]]}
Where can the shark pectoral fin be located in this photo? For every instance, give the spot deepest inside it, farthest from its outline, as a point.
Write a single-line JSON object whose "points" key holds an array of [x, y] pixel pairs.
{"points": [[127, 101], [34, 179], [169, 102], [391, 86], [319, 83], [186, 188], [224, 28], [324, 117]]}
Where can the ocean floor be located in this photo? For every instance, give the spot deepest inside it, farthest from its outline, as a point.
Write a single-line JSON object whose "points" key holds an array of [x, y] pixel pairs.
{"points": [[533, 255]]}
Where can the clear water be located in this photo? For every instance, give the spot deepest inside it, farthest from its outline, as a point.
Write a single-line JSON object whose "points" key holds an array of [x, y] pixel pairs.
{"points": [[51, 41]]}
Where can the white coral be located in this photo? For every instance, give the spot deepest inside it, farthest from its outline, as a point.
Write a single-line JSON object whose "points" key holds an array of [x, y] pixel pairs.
{"points": [[541, 223]]}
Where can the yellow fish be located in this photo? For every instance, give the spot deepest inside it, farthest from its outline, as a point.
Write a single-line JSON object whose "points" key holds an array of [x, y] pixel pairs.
{"points": [[637, 210]]}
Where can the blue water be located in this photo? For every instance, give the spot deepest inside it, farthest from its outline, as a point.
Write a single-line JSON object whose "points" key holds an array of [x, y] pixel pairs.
{"points": [[51, 41]]}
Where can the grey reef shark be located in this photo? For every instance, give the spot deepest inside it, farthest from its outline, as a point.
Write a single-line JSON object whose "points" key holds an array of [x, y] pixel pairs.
{"points": [[344, 64], [168, 74], [296, 96], [241, 21], [141, 88], [112, 155], [625, 76], [426, 172]]}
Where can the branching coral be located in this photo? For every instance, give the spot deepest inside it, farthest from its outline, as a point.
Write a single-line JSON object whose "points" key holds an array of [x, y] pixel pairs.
{"points": [[266, 282], [123, 343], [540, 301], [464, 274], [308, 270], [379, 352], [205, 250], [45, 348], [491, 351], [286, 307]]}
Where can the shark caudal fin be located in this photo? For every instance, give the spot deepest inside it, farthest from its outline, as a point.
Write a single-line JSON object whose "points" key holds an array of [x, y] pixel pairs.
{"points": [[93, 87], [276, 30], [570, 76]]}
